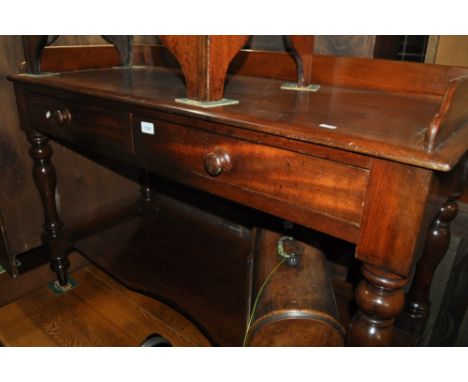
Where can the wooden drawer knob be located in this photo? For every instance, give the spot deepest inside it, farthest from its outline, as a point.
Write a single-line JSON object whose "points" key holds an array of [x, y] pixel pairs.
{"points": [[216, 162], [60, 116]]}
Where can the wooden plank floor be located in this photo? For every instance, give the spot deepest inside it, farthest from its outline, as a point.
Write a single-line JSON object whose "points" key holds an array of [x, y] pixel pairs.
{"points": [[98, 312]]}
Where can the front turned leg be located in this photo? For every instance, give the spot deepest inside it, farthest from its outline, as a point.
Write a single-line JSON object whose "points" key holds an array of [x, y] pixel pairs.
{"points": [[46, 180], [380, 299]]}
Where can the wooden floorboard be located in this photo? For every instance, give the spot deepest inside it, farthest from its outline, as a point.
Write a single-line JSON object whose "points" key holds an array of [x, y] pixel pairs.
{"points": [[173, 319], [98, 312], [18, 329]]}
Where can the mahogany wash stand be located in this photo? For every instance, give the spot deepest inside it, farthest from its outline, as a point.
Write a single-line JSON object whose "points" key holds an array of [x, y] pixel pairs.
{"points": [[375, 155]]}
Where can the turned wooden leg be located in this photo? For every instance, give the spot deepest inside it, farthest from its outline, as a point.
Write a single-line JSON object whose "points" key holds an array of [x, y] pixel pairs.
{"points": [[380, 298], [437, 242], [417, 308], [45, 179]]}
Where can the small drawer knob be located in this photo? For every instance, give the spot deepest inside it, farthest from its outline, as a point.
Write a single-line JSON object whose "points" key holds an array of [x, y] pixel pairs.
{"points": [[62, 116], [216, 162]]}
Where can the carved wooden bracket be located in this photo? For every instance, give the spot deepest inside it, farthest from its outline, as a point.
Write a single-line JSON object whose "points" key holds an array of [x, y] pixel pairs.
{"points": [[124, 46], [204, 61], [33, 46]]}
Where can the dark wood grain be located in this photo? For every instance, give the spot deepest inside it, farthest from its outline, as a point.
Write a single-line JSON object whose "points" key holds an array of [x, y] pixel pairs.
{"points": [[363, 132], [81, 182], [255, 178], [402, 213], [69, 58], [358, 72], [202, 276], [204, 61], [397, 202], [18, 196], [86, 123], [45, 178], [376, 74], [265, 108]]}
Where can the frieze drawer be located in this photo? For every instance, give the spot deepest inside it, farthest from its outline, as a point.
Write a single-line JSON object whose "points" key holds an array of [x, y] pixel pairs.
{"points": [[328, 188], [80, 123]]}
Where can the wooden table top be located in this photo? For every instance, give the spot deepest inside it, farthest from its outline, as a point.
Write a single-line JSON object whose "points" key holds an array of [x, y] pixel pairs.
{"points": [[382, 124]]}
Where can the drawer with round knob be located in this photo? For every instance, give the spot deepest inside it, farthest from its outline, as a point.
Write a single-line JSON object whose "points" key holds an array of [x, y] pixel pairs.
{"points": [[79, 123], [252, 173]]}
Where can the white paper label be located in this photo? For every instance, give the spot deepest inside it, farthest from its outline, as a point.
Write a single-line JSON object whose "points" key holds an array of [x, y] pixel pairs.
{"points": [[326, 126], [147, 127]]}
